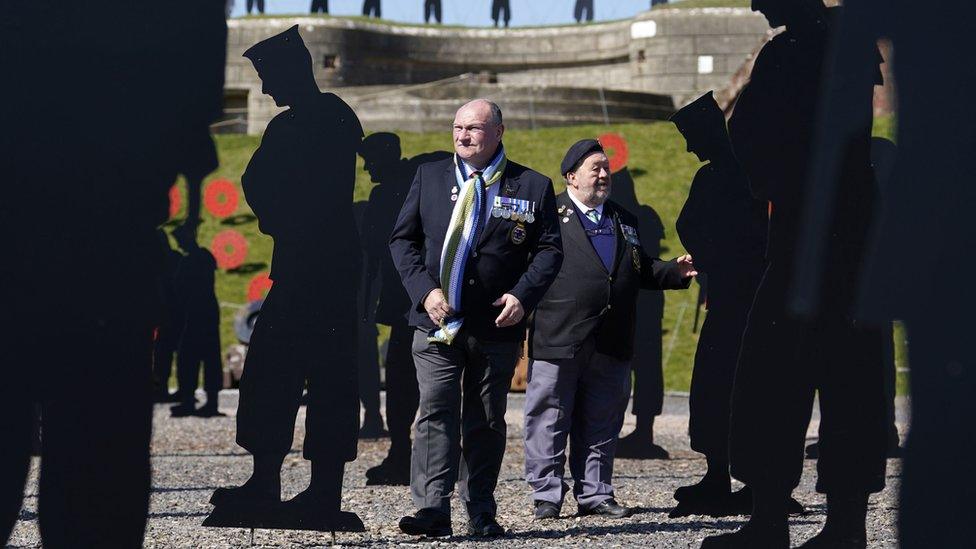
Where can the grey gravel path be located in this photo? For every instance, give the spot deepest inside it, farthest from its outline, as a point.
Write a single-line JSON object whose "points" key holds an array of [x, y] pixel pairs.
{"points": [[193, 456]]}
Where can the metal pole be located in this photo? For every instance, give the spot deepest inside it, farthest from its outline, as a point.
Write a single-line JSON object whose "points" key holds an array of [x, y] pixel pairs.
{"points": [[603, 103]]}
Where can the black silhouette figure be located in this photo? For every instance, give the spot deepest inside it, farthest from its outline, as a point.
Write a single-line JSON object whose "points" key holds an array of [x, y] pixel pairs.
{"points": [[168, 332], [581, 6], [320, 6], [724, 229], [367, 355], [927, 211], [251, 4], [199, 329], [371, 7], [784, 360], [84, 199], [432, 7], [499, 6], [393, 175], [647, 362], [300, 183]]}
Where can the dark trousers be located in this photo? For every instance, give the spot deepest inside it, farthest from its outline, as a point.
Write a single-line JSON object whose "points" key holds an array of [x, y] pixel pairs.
{"points": [[320, 6], [196, 348], [463, 397], [252, 3], [581, 6], [94, 388], [371, 7], [432, 7], [782, 364], [291, 350], [715, 360], [499, 6], [402, 393], [581, 401], [938, 488], [164, 348]]}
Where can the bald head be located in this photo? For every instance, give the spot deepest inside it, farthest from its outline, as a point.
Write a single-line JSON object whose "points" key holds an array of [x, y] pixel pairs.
{"points": [[478, 131]]}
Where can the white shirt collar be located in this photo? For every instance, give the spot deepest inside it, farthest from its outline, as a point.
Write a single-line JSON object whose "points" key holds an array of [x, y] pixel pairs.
{"points": [[583, 208]]}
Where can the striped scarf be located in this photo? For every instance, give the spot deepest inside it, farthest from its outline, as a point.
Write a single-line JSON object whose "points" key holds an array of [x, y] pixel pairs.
{"points": [[462, 236]]}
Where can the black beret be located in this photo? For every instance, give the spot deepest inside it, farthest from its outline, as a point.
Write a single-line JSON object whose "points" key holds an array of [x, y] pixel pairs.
{"points": [[577, 153]]}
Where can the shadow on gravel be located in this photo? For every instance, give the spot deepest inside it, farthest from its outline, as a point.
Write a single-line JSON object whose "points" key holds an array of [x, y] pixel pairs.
{"points": [[177, 515], [167, 489], [240, 453]]}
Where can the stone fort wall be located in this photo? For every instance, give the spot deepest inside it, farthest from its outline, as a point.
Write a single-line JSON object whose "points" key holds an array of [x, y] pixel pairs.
{"points": [[674, 53]]}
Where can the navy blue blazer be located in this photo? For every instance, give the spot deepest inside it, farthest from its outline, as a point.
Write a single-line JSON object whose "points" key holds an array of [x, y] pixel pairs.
{"points": [[500, 263]]}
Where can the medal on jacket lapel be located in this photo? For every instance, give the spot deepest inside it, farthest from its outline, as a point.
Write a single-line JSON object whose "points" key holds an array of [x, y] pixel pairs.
{"points": [[636, 256]]}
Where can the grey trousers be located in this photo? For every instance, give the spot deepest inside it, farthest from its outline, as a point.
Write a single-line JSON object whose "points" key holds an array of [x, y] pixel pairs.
{"points": [[582, 399], [460, 431]]}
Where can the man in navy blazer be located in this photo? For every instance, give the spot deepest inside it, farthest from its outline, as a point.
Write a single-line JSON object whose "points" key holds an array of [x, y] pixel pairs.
{"points": [[470, 328]]}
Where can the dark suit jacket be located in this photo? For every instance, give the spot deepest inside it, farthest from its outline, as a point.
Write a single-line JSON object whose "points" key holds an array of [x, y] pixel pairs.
{"points": [[586, 300], [496, 266]]}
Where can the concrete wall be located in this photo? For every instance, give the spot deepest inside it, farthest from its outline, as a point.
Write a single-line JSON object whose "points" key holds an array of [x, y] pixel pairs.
{"points": [[678, 53]]}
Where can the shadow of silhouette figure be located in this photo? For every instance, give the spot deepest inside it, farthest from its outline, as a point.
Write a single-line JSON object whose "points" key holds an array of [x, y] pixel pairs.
{"points": [[784, 361], [84, 199], [367, 356], [168, 331], [648, 392], [199, 340], [926, 211], [724, 228], [300, 185], [393, 175]]}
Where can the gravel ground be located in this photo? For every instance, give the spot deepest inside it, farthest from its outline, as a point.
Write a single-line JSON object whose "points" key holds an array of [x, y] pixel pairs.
{"points": [[192, 456]]}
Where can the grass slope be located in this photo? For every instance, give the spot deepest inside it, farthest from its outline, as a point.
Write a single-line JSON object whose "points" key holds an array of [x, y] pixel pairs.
{"points": [[662, 173]]}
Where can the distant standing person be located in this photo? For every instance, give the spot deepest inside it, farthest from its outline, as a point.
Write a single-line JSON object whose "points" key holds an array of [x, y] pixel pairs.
{"points": [[658, 2], [251, 4], [581, 6], [499, 6], [320, 6], [200, 330], [432, 6], [372, 8]]}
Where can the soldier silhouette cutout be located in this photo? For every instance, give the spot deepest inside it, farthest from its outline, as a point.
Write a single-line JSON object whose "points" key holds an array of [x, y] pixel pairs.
{"points": [[927, 213], [167, 337], [80, 296], [432, 7], [251, 4], [497, 9], [724, 228], [299, 183], [320, 6], [648, 391], [784, 361], [583, 6], [367, 355], [371, 8], [199, 330], [393, 175]]}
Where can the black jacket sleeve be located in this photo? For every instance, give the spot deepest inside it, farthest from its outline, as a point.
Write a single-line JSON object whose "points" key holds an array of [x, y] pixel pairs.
{"points": [[546, 258], [662, 275], [407, 247]]}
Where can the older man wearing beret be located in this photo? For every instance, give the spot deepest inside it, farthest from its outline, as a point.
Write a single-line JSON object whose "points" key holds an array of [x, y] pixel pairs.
{"points": [[582, 340]]}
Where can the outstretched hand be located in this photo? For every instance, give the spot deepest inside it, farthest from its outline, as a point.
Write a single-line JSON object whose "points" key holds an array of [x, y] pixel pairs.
{"points": [[512, 312], [686, 266]]}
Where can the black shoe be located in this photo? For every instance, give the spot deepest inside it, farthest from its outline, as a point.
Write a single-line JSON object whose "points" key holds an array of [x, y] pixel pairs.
{"points": [[794, 507], [607, 507], [373, 428], [813, 450], [749, 537], [243, 496], [708, 500], [182, 410], [427, 522], [208, 411], [485, 526], [701, 490], [389, 473], [634, 446], [546, 510], [166, 396]]}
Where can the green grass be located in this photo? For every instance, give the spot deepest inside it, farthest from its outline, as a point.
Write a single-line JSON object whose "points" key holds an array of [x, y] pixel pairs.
{"points": [[662, 173]]}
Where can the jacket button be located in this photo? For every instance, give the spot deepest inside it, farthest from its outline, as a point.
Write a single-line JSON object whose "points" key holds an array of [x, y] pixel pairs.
{"points": [[470, 282], [609, 307], [610, 279], [474, 254]]}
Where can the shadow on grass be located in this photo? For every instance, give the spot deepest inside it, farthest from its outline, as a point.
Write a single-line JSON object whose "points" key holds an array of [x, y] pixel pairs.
{"points": [[239, 219], [249, 268]]}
